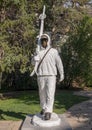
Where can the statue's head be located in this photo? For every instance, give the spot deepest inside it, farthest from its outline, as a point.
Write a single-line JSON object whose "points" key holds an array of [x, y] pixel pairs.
{"points": [[45, 40]]}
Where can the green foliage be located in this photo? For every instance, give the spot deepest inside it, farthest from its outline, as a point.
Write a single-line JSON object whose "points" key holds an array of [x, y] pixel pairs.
{"points": [[19, 26], [77, 55], [17, 36]]}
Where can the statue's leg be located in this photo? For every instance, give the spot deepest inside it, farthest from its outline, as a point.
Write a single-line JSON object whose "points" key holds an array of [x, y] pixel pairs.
{"points": [[50, 93], [42, 91]]}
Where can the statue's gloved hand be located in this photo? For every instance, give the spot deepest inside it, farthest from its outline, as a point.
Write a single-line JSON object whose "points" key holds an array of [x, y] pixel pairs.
{"points": [[36, 58], [61, 78]]}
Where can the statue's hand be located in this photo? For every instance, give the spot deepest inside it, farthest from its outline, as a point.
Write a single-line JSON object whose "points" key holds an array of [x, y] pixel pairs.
{"points": [[61, 78]]}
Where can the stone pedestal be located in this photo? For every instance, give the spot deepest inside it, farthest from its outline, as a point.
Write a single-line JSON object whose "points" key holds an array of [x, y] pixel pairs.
{"points": [[38, 120], [61, 124]]}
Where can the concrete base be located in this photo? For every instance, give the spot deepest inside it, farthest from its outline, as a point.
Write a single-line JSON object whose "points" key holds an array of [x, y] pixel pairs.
{"points": [[27, 124], [38, 120]]}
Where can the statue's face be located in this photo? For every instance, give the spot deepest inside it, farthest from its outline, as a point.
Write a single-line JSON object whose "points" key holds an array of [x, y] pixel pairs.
{"points": [[44, 42]]}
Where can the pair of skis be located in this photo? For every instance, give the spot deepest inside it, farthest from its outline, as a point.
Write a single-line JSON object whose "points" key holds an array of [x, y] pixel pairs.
{"points": [[41, 17]]}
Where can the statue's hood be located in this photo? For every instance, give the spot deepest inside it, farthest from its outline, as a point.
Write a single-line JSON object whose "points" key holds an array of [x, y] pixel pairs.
{"points": [[48, 37]]}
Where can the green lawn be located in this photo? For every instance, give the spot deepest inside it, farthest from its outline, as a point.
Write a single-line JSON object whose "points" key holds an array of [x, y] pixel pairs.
{"points": [[17, 107]]}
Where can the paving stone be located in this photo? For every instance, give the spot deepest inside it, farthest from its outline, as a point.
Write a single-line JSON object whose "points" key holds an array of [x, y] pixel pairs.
{"points": [[10, 125], [80, 115]]}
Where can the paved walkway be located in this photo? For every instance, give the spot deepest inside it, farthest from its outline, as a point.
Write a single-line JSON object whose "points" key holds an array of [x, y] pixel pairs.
{"points": [[79, 116], [10, 125]]}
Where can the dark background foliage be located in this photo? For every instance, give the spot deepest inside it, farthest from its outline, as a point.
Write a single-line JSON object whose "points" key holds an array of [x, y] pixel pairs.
{"points": [[69, 24]]}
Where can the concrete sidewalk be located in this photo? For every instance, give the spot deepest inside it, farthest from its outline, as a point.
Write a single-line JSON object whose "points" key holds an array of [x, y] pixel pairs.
{"points": [[10, 125], [80, 115]]}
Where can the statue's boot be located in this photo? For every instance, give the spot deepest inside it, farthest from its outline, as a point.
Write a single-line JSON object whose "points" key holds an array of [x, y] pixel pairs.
{"points": [[47, 116]]}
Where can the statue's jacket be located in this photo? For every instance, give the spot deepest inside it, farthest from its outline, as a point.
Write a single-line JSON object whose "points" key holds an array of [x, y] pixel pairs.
{"points": [[50, 63]]}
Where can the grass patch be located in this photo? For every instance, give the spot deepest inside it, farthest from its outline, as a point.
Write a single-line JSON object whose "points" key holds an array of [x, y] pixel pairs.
{"points": [[17, 107]]}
